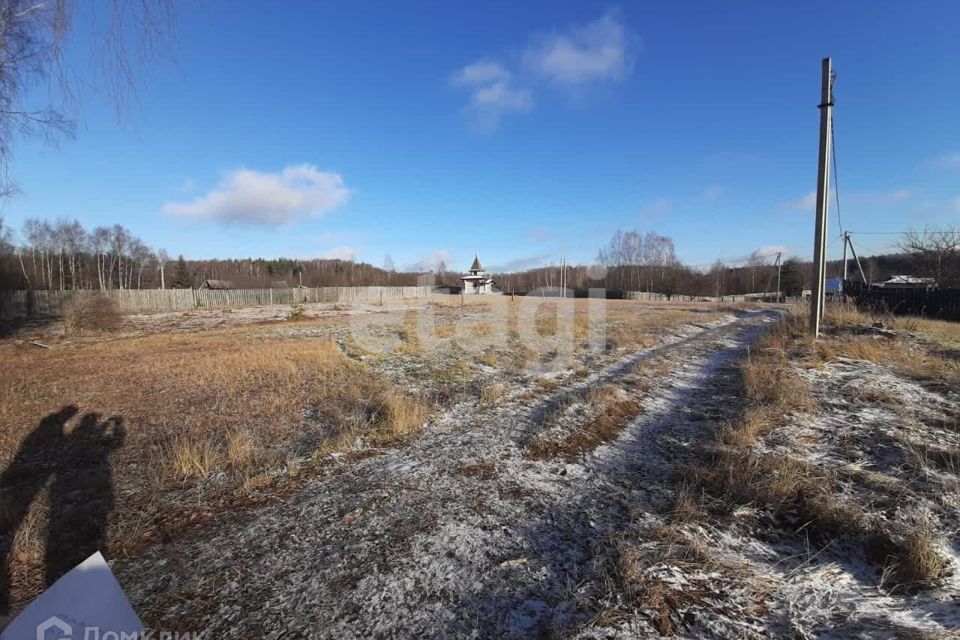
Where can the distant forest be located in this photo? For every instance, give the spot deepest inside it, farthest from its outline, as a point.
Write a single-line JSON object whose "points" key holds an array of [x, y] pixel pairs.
{"points": [[65, 255]]}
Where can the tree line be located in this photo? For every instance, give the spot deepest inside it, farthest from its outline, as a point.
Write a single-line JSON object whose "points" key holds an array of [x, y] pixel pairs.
{"points": [[637, 261], [65, 255]]}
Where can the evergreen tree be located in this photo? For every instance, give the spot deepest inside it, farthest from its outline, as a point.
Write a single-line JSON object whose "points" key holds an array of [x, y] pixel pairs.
{"points": [[182, 278], [791, 277]]}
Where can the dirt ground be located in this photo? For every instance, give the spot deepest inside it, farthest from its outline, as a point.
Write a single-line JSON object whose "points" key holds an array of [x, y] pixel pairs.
{"points": [[507, 469]]}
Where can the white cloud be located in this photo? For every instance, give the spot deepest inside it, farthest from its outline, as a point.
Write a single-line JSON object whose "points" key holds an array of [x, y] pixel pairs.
{"points": [[339, 253], [493, 94], [270, 199], [655, 208], [600, 50], [522, 264], [712, 193], [949, 160], [538, 234], [480, 73], [897, 195], [806, 204], [431, 261]]}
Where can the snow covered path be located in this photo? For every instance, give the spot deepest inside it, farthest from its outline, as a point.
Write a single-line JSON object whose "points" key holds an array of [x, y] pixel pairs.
{"points": [[455, 534]]}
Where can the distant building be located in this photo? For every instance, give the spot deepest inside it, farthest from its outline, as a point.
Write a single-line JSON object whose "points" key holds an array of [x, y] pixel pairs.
{"points": [[478, 282], [216, 284], [907, 282], [279, 284], [833, 286]]}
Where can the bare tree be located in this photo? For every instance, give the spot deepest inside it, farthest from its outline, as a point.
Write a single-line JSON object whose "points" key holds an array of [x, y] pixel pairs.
{"points": [[162, 259], [6, 238], [99, 245], [32, 38], [936, 253], [119, 242]]}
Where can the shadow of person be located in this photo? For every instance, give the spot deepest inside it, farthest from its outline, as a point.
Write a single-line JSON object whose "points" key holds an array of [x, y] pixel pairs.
{"points": [[81, 494]]}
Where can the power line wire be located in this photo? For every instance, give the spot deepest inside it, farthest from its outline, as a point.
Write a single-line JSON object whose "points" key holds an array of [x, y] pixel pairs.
{"points": [[900, 233], [836, 176]]}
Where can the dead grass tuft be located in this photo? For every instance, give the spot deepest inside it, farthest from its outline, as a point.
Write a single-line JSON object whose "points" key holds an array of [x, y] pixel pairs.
{"points": [[603, 427], [545, 320], [602, 395], [490, 393], [910, 562], [191, 457], [399, 416], [784, 485], [242, 449], [409, 340]]}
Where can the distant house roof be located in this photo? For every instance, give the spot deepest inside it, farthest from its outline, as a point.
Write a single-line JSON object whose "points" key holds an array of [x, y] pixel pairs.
{"points": [[279, 284], [907, 281], [476, 264], [216, 284]]}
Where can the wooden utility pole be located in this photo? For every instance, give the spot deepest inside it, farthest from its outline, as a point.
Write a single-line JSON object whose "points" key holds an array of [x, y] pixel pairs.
{"points": [[823, 200]]}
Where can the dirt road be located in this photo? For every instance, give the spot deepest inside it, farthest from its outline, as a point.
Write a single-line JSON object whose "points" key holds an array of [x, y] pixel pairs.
{"points": [[457, 533]]}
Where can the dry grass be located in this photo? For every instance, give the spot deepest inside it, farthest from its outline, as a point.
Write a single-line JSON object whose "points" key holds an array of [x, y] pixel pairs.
{"points": [[602, 395], [223, 407], [806, 492], [482, 330], [910, 562], [445, 331], [242, 448], [192, 457], [398, 416], [784, 485], [602, 427], [489, 357], [490, 393], [631, 571], [409, 340], [769, 379], [877, 395], [546, 319]]}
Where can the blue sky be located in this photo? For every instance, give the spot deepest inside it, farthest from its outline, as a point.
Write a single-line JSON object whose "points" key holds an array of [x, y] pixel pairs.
{"points": [[525, 132]]}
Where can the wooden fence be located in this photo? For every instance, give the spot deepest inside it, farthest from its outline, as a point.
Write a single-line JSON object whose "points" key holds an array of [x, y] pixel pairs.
{"points": [[40, 303], [932, 303]]}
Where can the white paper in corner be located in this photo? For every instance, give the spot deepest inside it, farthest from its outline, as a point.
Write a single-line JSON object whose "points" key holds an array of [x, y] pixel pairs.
{"points": [[84, 604]]}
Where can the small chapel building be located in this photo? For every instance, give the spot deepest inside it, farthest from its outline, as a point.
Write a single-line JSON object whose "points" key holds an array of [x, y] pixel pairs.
{"points": [[478, 282]]}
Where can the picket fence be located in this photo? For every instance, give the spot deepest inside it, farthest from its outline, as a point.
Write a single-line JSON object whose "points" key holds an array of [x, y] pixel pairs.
{"points": [[39, 303]]}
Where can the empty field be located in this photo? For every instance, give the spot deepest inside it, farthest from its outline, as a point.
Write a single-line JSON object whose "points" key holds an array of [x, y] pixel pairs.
{"points": [[575, 468]]}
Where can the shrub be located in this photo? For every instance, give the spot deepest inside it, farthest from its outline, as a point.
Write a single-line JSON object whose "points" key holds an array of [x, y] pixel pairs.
{"points": [[90, 313], [296, 312]]}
